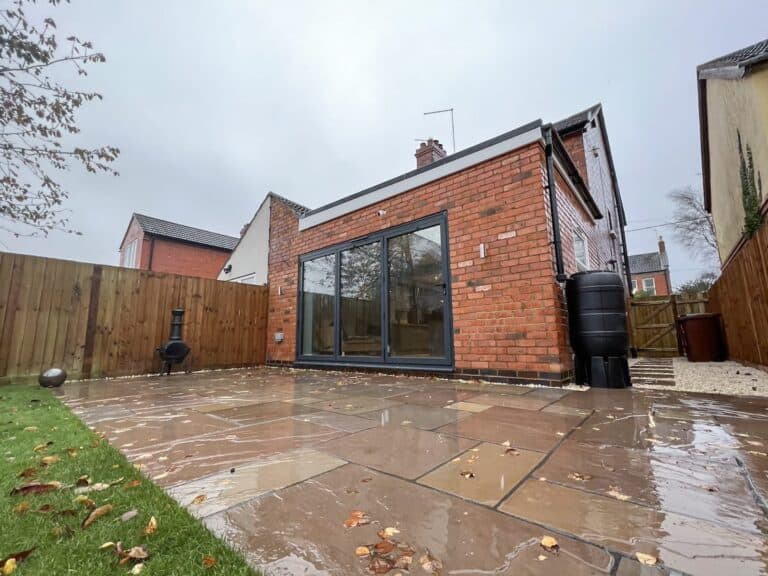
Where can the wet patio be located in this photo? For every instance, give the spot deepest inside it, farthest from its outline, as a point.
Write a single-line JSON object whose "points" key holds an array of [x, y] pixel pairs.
{"points": [[309, 472]]}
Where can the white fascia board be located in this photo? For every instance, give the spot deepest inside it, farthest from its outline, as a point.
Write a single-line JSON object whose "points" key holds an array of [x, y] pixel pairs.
{"points": [[462, 163]]}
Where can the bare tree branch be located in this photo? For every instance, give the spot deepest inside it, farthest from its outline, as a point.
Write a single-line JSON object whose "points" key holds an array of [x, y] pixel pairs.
{"points": [[37, 113], [693, 225]]}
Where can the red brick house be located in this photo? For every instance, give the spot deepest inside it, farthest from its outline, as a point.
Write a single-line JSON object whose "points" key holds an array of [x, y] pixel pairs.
{"points": [[650, 272], [454, 267], [163, 246]]}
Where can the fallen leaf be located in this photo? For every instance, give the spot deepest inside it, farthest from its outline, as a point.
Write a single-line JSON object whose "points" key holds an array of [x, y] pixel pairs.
{"points": [[616, 493], [41, 447], [45, 508], [49, 460], [199, 499], [430, 564], [550, 544], [85, 501], [9, 563], [209, 561], [137, 569], [713, 489], [511, 452], [21, 508], [366, 480], [83, 481], [646, 559], [651, 421], [384, 547], [36, 488], [30, 429], [133, 484], [380, 565], [506, 444], [107, 545], [96, 514], [28, 473], [72, 452], [578, 476], [390, 531], [129, 515], [151, 526], [62, 532], [467, 474], [541, 558], [406, 422], [362, 551]]}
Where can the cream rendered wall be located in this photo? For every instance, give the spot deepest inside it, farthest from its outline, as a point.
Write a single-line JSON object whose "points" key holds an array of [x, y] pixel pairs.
{"points": [[249, 260], [735, 105]]}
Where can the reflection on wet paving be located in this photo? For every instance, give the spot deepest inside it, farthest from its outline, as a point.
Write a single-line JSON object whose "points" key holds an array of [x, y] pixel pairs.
{"points": [[276, 459]]}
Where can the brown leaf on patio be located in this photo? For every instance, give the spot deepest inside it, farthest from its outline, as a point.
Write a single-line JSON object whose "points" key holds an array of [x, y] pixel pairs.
{"points": [[616, 493], [384, 547], [36, 488], [467, 474], [151, 526], [21, 508], [362, 551], [49, 460], [511, 452], [403, 562], [209, 561], [550, 544], [713, 489], [430, 564], [15, 559], [579, 477], [646, 559], [96, 514], [367, 479], [27, 473], [199, 499], [380, 565]]}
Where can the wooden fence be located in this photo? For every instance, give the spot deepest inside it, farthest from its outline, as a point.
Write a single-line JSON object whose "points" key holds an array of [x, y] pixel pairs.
{"points": [[740, 295], [653, 322], [97, 321]]}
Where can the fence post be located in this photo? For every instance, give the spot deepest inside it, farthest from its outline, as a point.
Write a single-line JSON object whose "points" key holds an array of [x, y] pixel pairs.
{"points": [[90, 330], [675, 316]]}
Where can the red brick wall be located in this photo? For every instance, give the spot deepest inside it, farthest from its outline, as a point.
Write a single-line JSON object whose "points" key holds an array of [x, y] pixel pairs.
{"points": [[134, 232], [574, 144], [662, 285], [503, 305], [182, 258]]}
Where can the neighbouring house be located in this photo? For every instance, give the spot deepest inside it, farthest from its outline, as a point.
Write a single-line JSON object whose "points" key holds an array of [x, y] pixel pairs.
{"points": [[154, 244], [455, 267], [650, 272], [248, 262], [733, 119]]}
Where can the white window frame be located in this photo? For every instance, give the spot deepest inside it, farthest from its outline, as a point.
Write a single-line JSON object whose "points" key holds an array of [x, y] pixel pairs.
{"points": [[581, 265], [634, 285], [652, 289], [128, 254]]}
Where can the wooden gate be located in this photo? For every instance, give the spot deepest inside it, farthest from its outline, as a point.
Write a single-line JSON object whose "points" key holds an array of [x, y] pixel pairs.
{"points": [[653, 322]]}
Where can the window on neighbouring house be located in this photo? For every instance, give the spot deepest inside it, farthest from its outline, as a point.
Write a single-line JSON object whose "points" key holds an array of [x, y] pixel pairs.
{"points": [[649, 286], [128, 255], [634, 286], [580, 251]]}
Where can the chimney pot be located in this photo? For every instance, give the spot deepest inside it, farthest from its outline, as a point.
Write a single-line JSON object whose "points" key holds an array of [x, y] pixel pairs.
{"points": [[429, 152]]}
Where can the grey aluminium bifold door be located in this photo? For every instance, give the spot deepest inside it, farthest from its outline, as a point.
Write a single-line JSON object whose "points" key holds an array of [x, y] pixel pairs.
{"points": [[380, 300]]}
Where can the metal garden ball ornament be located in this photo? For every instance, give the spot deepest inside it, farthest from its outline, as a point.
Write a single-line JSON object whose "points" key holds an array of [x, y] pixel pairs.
{"points": [[52, 378]]}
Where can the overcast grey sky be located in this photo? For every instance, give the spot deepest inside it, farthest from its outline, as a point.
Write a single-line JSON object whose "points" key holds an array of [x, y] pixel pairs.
{"points": [[214, 104]]}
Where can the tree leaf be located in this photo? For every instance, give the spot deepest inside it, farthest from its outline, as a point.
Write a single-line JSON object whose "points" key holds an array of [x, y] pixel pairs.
{"points": [[96, 514], [646, 559], [209, 561], [550, 544], [151, 526], [36, 488]]}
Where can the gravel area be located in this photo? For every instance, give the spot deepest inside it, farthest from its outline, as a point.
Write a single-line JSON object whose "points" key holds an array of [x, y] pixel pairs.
{"points": [[717, 378]]}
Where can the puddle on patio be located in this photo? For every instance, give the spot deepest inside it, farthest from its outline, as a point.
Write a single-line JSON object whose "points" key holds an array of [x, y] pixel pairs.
{"points": [[473, 474]]}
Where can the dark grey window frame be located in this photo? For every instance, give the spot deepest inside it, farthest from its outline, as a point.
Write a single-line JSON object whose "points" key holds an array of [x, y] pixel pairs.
{"points": [[384, 360]]}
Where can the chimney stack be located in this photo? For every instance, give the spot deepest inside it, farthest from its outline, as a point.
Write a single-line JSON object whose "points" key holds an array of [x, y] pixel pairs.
{"points": [[662, 246], [428, 152]]}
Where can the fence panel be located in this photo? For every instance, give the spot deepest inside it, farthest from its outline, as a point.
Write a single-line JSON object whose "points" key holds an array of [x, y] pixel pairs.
{"points": [[97, 321]]}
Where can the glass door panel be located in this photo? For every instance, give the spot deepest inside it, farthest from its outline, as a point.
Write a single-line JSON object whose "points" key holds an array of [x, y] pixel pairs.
{"points": [[417, 294], [360, 277], [318, 306]]}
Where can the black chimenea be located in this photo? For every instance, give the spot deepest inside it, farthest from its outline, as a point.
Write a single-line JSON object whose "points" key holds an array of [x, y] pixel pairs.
{"points": [[175, 350]]}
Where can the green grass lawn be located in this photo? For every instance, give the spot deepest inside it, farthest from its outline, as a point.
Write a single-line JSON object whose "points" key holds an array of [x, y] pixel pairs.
{"points": [[31, 417]]}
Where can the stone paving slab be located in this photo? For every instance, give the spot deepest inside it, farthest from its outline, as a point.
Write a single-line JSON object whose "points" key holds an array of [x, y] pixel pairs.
{"points": [[282, 456]]}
